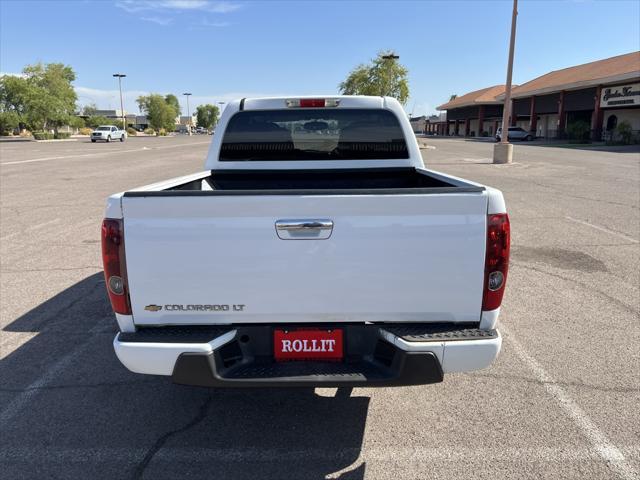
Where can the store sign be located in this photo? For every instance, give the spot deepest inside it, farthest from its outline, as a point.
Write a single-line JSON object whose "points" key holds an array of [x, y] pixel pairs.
{"points": [[621, 96]]}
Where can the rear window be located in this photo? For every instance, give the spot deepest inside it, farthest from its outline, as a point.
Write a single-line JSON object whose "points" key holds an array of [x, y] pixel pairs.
{"points": [[313, 134]]}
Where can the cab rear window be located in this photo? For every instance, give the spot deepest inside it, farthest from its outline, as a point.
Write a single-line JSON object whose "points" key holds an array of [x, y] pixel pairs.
{"points": [[313, 134]]}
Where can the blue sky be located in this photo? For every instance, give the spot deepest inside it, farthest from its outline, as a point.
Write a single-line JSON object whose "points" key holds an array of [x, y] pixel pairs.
{"points": [[223, 50]]}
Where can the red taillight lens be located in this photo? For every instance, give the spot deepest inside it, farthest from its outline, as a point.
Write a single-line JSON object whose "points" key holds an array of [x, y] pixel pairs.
{"points": [[312, 102], [496, 263], [115, 270]]}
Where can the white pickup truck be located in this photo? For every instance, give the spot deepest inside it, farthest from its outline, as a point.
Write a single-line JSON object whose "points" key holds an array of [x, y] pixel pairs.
{"points": [[314, 250]]}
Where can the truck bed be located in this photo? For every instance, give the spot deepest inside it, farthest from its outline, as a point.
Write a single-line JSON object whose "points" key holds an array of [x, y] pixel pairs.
{"points": [[297, 182]]}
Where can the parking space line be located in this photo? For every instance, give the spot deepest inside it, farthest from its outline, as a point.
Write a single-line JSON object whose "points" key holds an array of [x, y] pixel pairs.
{"points": [[96, 154], [603, 229], [596, 437]]}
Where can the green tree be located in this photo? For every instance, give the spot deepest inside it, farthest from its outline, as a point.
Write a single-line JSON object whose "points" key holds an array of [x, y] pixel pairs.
{"points": [[9, 121], [90, 109], [381, 77], [13, 100], [207, 115], [50, 98], [159, 112], [172, 100]]}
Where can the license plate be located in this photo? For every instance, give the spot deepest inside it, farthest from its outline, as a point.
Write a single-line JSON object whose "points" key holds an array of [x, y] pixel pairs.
{"points": [[308, 344]]}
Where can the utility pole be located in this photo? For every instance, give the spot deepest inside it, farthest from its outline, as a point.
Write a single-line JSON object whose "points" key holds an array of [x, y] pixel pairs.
{"points": [[503, 151], [120, 77], [187, 94]]}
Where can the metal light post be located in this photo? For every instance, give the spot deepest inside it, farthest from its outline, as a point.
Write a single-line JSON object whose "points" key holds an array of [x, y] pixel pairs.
{"points": [[187, 94], [120, 77], [503, 151]]}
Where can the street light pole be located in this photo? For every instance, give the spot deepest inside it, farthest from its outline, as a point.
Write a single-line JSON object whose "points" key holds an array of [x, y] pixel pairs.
{"points": [[187, 94], [120, 77], [503, 152]]}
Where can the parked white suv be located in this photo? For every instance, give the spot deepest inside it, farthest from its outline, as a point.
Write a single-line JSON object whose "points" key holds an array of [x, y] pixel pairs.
{"points": [[515, 133], [108, 133]]}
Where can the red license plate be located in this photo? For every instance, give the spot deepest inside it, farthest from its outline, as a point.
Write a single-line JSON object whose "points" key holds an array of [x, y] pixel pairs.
{"points": [[308, 344]]}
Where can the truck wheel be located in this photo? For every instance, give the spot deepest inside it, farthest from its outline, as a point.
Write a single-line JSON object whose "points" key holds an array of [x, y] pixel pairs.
{"points": [[108, 138], [122, 138], [93, 141]]}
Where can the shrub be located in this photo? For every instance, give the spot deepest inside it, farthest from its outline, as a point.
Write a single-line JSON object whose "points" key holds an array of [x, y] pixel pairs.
{"points": [[162, 132], [485, 133], [85, 131], [579, 132], [62, 135], [149, 131], [624, 131], [43, 135], [25, 133], [131, 132]]}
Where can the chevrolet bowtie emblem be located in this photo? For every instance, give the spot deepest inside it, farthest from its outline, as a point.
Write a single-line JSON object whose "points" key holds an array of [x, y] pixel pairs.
{"points": [[153, 308]]}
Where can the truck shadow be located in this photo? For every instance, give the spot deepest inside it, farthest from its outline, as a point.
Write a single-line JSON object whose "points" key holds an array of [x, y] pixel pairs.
{"points": [[68, 409]]}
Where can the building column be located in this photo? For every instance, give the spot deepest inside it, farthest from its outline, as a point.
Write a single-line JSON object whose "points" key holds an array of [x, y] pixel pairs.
{"points": [[514, 118], [561, 116], [533, 117], [467, 127], [446, 128], [456, 128], [480, 120], [496, 126], [597, 117]]}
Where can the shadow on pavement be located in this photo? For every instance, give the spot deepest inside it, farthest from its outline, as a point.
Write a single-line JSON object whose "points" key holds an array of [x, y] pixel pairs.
{"points": [[68, 409]]}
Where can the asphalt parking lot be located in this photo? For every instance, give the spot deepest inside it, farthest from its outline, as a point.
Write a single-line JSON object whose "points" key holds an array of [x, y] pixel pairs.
{"points": [[561, 401]]}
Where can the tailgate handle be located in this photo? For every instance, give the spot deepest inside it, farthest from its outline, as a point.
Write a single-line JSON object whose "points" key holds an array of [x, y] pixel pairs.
{"points": [[297, 225], [304, 229]]}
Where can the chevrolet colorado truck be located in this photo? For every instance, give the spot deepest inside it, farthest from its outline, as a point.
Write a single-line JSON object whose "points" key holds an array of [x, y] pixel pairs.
{"points": [[314, 250]]}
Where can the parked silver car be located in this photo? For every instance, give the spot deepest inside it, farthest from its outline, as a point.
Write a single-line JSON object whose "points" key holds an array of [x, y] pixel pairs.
{"points": [[515, 133], [108, 133]]}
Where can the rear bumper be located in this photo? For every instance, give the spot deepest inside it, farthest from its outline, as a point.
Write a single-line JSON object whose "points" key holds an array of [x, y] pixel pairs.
{"points": [[375, 355]]}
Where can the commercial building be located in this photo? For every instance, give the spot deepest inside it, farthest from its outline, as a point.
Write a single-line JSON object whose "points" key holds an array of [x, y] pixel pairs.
{"points": [[474, 114], [601, 94]]}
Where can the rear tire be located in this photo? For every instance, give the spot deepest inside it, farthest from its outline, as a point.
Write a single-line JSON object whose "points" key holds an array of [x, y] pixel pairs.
{"points": [[122, 138], [108, 138], [528, 138], [93, 141]]}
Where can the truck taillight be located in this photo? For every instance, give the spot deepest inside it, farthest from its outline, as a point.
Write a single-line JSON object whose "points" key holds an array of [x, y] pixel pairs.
{"points": [[115, 270], [312, 102], [496, 263]]}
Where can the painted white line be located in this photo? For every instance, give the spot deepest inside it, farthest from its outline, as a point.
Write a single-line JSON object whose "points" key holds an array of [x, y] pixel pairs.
{"points": [[97, 154], [604, 229], [598, 440]]}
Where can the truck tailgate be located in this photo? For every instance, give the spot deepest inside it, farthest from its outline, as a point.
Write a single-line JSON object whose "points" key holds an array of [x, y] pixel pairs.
{"points": [[219, 259]]}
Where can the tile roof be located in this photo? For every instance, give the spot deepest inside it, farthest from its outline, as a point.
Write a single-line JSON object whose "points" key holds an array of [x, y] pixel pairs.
{"points": [[619, 68], [482, 96]]}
